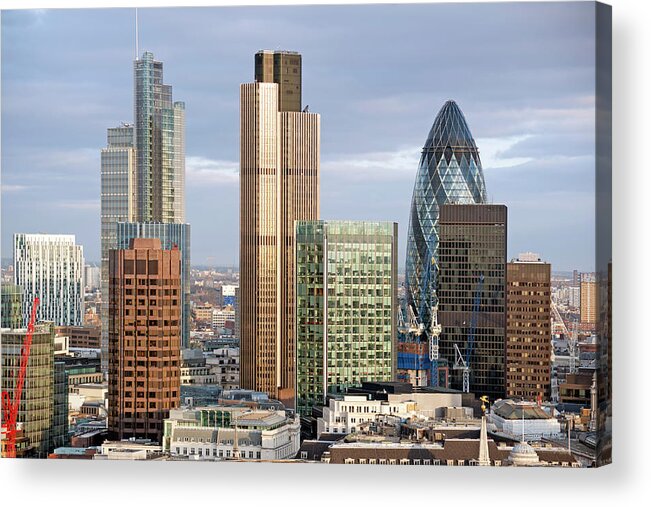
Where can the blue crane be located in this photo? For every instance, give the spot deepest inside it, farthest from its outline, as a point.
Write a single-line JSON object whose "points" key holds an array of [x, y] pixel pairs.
{"points": [[463, 363]]}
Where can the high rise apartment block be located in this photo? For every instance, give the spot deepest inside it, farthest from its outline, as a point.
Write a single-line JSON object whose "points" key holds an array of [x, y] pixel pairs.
{"points": [[528, 330], [346, 307], [588, 299], [471, 291], [144, 338], [279, 184], [50, 266]]}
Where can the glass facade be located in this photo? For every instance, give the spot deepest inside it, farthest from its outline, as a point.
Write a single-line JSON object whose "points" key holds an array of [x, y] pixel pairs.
{"points": [[472, 263], [118, 187], [11, 315], [37, 404], [449, 172], [160, 145], [346, 301], [170, 235]]}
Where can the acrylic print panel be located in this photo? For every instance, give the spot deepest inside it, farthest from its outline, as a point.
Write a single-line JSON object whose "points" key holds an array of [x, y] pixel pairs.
{"points": [[344, 234]]}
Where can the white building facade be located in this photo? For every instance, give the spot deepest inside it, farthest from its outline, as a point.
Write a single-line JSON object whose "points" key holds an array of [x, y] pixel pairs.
{"points": [[249, 434], [50, 266], [346, 414]]}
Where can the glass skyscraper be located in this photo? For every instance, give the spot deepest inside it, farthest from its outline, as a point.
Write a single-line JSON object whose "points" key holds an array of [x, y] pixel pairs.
{"points": [[160, 145], [471, 291], [143, 172], [449, 172], [118, 202], [346, 307], [170, 235]]}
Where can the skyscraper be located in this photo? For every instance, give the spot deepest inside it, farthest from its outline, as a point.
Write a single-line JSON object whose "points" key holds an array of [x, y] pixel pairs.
{"points": [[588, 301], [144, 338], [283, 68], [143, 169], [471, 293], [160, 145], [50, 266], [118, 204], [171, 236], [346, 307], [528, 329], [449, 171], [279, 183]]}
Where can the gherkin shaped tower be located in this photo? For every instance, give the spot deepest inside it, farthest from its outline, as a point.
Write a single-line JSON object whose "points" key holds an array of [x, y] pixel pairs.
{"points": [[449, 172]]}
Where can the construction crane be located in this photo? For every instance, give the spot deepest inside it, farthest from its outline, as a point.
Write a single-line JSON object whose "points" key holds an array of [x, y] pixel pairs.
{"points": [[431, 334], [461, 362], [10, 408]]}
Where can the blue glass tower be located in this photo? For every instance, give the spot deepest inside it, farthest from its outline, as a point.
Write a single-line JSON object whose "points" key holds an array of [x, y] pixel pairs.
{"points": [[449, 172]]}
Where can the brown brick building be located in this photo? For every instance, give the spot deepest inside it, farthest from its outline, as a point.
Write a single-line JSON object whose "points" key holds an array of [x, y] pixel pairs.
{"points": [[528, 330], [84, 337], [144, 338]]}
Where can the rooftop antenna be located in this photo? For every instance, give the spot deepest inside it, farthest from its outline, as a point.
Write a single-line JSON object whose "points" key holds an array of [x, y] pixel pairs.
{"points": [[136, 33]]}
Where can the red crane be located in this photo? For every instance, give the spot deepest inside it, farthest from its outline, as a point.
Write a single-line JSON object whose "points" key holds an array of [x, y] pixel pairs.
{"points": [[9, 408]]}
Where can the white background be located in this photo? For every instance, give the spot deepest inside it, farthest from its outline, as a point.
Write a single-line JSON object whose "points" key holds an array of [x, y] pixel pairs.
{"points": [[66, 482]]}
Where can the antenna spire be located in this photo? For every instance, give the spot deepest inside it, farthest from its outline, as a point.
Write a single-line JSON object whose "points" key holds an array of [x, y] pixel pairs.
{"points": [[136, 33]]}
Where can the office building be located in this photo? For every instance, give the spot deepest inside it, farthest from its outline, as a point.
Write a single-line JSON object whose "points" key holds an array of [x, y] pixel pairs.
{"points": [[159, 134], [279, 184], [449, 172], [12, 306], [144, 338], [238, 432], [588, 299], [283, 68], [118, 204], [37, 404], [143, 172], [50, 266], [528, 330], [171, 236], [471, 293], [346, 307]]}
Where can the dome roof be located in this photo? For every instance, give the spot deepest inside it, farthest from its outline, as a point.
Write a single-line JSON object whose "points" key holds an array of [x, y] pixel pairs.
{"points": [[523, 454]]}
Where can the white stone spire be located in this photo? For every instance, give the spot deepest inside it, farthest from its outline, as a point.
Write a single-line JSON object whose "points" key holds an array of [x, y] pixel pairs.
{"points": [[484, 457]]}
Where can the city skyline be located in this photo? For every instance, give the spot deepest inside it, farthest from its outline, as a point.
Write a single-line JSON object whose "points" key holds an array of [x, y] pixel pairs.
{"points": [[374, 128]]}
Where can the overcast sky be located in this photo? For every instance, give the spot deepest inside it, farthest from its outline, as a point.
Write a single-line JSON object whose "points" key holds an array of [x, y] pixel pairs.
{"points": [[523, 74]]}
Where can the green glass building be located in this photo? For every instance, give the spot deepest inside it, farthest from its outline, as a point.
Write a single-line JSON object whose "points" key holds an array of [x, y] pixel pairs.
{"points": [[346, 307], [12, 297]]}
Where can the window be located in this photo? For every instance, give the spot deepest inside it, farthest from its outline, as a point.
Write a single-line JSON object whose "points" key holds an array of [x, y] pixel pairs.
{"points": [[303, 454]]}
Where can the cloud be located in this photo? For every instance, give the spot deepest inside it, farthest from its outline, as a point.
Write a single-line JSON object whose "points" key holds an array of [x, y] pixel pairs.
{"points": [[381, 165], [201, 171], [13, 188], [494, 152], [80, 204]]}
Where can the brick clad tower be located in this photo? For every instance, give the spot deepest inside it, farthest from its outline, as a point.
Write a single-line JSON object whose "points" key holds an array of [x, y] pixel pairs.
{"points": [[144, 338]]}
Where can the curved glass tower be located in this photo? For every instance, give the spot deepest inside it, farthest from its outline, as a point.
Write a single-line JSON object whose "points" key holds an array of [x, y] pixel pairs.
{"points": [[449, 172]]}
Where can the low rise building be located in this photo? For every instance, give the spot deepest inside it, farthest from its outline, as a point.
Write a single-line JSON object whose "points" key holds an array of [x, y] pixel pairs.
{"points": [[517, 419], [225, 365], [346, 413], [81, 337], [129, 450], [235, 432], [195, 370]]}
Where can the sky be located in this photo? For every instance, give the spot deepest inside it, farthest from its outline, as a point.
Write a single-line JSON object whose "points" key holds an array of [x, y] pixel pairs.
{"points": [[523, 74]]}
